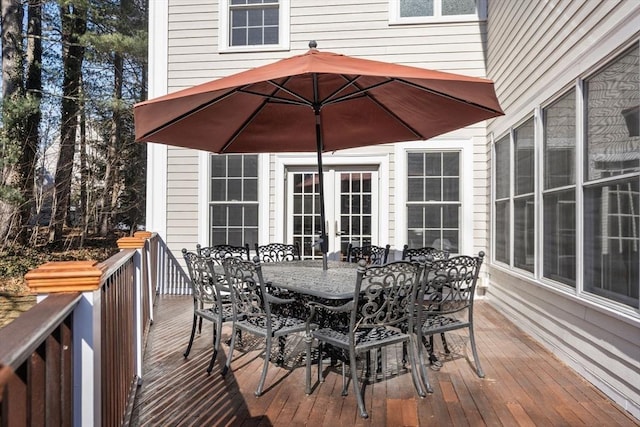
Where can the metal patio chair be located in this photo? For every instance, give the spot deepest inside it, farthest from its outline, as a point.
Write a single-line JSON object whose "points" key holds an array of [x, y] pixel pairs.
{"points": [[382, 301], [414, 254], [278, 252], [252, 305], [372, 254], [208, 301], [447, 295]]}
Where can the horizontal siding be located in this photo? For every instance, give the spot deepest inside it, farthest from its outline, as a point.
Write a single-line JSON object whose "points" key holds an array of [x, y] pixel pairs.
{"points": [[535, 50], [602, 348]]}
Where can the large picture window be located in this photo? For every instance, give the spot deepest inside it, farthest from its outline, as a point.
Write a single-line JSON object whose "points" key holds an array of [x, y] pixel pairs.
{"points": [[233, 205], [612, 180], [254, 25], [433, 200]]}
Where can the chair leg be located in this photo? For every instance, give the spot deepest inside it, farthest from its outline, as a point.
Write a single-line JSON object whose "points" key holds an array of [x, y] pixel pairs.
{"points": [[444, 343], [227, 365], [200, 326], [415, 375], [421, 361], [193, 334], [472, 339], [320, 353], [282, 342], [345, 392], [265, 367], [356, 384], [217, 337], [308, 339]]}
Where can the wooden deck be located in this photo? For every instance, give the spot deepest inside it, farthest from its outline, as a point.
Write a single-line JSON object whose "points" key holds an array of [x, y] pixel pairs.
{"points": [[525, 385]]}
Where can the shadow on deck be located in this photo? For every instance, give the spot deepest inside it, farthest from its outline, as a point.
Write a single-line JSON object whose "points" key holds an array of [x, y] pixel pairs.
{"points": [[524, 385]]}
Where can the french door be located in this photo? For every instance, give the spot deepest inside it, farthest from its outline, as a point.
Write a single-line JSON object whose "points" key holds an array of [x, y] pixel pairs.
{"points": [[351, 209]]}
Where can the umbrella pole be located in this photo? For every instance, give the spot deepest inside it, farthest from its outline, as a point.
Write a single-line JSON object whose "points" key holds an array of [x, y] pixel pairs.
{"points": [[324, 244]]}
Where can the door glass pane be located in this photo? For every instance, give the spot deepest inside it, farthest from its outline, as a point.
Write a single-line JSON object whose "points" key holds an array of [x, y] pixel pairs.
{"points": [[306, 213], [357, 187]]}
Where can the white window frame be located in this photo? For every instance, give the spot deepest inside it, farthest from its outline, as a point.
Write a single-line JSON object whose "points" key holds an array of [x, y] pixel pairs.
{"points": [[467, 201], [283, 28], [396, 19]]}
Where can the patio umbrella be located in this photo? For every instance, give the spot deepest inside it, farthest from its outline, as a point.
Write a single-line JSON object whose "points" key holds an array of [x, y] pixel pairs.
{"points": [[316, 102]]}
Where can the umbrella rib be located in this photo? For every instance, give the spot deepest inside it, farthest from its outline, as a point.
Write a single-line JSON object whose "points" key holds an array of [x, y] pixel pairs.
{"points": [[279, 99], [303, 100], [189, 113], [244, 125]]}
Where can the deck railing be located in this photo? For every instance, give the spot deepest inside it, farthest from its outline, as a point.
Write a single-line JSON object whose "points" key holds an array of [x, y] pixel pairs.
{"points": [[75, 358]]}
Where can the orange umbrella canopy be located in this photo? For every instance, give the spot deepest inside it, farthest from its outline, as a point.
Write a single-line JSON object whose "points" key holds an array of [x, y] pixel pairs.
{"points": [[317, 101], [355, 102]]}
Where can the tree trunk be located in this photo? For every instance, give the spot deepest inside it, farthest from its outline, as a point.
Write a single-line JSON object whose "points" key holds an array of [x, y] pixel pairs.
{"points": [[112, 175], [12, 92], [74, 25], [32, 119]]}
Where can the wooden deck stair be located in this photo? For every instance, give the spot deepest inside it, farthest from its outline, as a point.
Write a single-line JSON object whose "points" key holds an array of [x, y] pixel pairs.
{"points": [[525, 385]]}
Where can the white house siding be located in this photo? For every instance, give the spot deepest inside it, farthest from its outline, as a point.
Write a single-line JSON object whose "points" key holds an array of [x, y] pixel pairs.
{"points": [[358, 28], [535, 49]]}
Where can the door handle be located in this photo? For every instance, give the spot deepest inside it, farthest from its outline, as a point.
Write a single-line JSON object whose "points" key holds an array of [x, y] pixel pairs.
{"points": [[338, 231]]}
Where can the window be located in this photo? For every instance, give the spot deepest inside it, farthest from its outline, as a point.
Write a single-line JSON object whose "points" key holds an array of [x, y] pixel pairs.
{"points": [[428, 11], [254, 25], [559, 194], [434, 200], [502, 203], [523, 200], [605, 134], [612, 180], [234, 200]]}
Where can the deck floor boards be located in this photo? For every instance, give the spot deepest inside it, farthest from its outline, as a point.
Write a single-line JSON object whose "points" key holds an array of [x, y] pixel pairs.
{"points": [[525, 385]]}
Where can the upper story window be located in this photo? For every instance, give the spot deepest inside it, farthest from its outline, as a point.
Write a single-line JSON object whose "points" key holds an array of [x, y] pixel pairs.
{"points": [[433, 11], [254, 25]]}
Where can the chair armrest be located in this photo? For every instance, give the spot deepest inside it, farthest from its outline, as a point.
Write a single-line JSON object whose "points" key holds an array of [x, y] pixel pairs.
{"points": [[275, 300]]}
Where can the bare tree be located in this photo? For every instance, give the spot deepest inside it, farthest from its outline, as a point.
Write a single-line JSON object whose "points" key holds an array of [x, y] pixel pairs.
{"points": [[74, 25]]}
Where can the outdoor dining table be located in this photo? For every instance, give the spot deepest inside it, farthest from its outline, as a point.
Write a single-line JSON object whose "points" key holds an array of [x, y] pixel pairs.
{"points": [[308, 278]]}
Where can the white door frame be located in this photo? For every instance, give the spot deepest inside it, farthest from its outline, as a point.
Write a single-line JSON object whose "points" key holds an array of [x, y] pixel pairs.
{"points": [[310, 160]]}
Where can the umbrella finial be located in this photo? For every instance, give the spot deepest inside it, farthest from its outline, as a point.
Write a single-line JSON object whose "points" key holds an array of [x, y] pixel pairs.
{"points": [[313, 44]]}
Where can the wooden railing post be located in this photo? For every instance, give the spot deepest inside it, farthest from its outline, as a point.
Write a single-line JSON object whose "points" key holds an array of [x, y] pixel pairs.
{"points": [[136, 243], [150, 262], [85, 277]]}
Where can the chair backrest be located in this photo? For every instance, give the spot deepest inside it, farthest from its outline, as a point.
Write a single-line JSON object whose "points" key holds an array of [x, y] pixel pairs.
{"points": [[248, 291], [413, 254], [385, 294], [450, 284], [371, 254], [278, 252], [204, 286], [220, 252]]}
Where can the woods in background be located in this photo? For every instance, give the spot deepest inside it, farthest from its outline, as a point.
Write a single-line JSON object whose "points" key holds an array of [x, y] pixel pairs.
{"points": [[71, 72]]}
